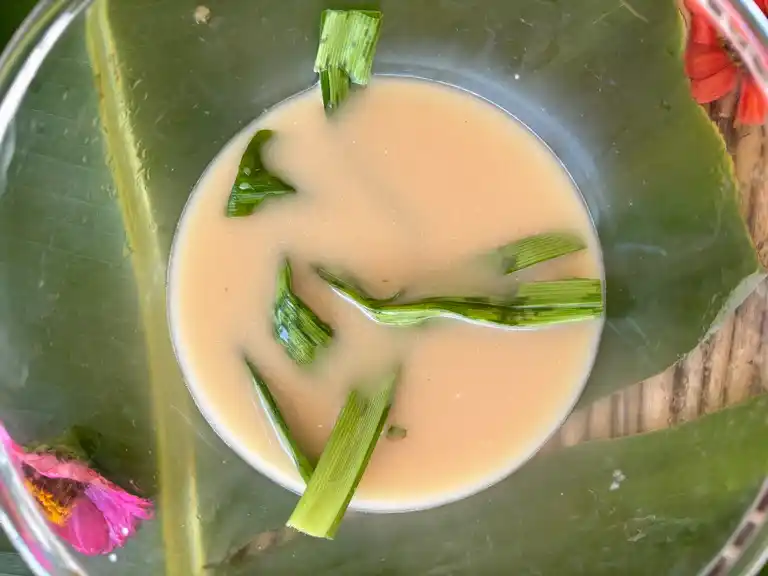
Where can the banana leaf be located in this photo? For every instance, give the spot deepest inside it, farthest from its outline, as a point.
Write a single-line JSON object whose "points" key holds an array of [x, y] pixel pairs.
{"points": [[660, 503], [600, 81], [11, 564], [613, 104]]}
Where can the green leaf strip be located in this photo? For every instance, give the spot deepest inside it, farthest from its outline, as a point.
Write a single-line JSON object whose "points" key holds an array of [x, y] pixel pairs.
{"points": [[275, 417], [295, 326], [345, 53], [572, 292], [343, 461], [254, 183], [536, 249], [533, 305]]}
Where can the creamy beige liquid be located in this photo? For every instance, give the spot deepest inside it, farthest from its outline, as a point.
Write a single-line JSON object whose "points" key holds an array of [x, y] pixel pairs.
{"points": [[404, 188]]}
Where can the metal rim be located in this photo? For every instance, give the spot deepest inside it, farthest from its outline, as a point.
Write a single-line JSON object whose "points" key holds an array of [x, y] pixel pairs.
{"points": [[740, 21]]}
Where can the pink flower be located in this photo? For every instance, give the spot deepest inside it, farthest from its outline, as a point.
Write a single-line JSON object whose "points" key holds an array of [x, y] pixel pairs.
{"points": [[85, 509]]}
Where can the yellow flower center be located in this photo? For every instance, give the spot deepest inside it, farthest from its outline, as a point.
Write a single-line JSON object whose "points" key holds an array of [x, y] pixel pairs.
{"points": [[56, 496], [56, 511]]}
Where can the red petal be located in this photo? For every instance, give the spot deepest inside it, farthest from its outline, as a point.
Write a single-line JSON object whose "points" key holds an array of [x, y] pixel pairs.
{"points": [[703, 32], [708, 89], [695, 7], [753, 105], [704, 61]]}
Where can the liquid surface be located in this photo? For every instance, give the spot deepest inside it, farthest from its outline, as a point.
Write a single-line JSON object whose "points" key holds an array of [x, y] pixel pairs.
{"points": [[406, 187]]}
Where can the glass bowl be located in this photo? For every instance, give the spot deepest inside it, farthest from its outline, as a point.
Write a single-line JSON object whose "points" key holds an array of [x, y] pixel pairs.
{"points": [[111, 110]]}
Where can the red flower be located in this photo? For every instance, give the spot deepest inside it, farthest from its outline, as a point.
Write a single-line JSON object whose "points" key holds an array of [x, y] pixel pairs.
{"points": [[714, 72]]}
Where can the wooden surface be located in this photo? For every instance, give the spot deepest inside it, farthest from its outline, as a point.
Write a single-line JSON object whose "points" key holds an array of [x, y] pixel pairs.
{"points": [[729, 367]]}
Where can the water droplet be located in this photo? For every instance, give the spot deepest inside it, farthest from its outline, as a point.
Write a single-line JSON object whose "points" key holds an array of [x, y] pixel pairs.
{"points": [[37, 127], [202, 14]]}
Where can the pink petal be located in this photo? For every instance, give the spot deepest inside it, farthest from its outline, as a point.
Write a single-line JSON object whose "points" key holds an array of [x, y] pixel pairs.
{"points": [[16, 452], [122, 511], [86, 529], [48, 464]]}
